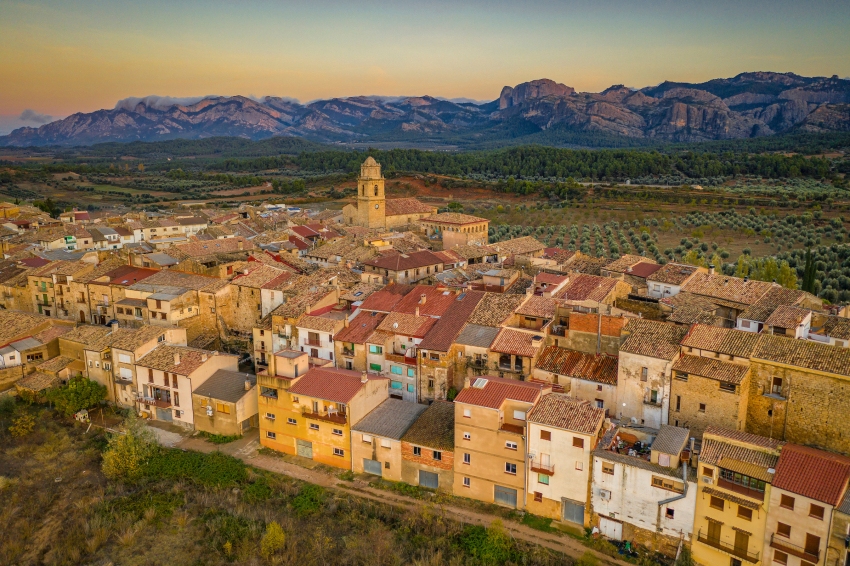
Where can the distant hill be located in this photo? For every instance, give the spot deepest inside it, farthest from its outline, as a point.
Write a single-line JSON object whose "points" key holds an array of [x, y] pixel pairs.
{"points": [[542, 111]]}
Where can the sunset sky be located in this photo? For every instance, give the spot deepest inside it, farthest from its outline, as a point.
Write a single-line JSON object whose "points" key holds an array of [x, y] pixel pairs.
{"points": [[60, 57]]}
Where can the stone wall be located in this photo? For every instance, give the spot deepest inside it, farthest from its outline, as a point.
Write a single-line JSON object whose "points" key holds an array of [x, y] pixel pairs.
{"points": [[721, 408]]}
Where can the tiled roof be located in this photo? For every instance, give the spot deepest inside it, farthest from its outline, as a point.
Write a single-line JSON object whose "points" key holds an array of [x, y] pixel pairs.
{"points": [[558, 254], [812, 473], [740, 501], [653, 339], [671, 440], [407, 324], [740, 436], [435, 428], [319, 323], [570, 363], [55, 364], [803, 354], [562, 411], [454, 218], [360, 292], [550, 278], [586, 288], [130, 339], [727, 288], [390, 419], [517, 342], [52, 333], [442, 335], [169, 278], [837, 327], [587, 264], [722, 340], [693, 314], [495, 308], [496, 390], [621, 264], [643, 269], [448, 257], [469, 251], [777, 296], [301, 303], [228, 386], [163, 358], [711, 368], [672, 274], [257, 277], [37, 381], [331, 384], [401, 262], [360, 328], [400, 206], [541, 307], [787, 316], [438, 301], [129, 274], [477, 335], [519, 246], [87, 334], [226, 245]]}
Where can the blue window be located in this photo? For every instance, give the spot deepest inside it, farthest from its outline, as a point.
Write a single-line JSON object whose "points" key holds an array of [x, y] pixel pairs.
{"points": [[411, 372], [395, 369], [395, 384]]}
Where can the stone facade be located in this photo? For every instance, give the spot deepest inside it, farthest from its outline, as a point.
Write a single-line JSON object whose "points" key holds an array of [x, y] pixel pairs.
{"points": [[411, 464], [698, 402]]}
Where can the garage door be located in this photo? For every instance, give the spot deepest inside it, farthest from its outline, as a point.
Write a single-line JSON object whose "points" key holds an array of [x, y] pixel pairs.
{"points": [[573, 512], [429, 479], [610, 528], [504, 495], [372, 466], [304, 448]]}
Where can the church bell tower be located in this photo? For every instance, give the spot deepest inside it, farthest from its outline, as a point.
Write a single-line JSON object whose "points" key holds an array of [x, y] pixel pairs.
{"points": [[371, 202]]}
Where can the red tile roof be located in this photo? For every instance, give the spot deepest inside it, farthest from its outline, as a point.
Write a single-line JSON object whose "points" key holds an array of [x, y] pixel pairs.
{"points": [[643, 269], [305, 231], [331, 384], [497, 390], [562, 411], [442, 334], [400, 262], [812, 473], [601, 368], [129, 274], [586, 288], [550, 278], [386, 299], [359, 329], [299, 243], [437, 301], [398, 206], [517, 342]]}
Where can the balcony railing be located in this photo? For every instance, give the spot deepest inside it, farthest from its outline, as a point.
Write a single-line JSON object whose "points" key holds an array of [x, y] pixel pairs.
{"points": [[512, 428], [310, 342], [347, 352], [509, 367], [781, 543], [651, 402], [331, 417], [161, 403], [400, 359], [541, 468], [727, 547], [752, 493]]}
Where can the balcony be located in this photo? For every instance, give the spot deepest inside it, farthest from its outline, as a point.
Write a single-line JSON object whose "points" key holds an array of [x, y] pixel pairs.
{"points": [[330, 417], [541, 468], [652, 403], [728, 548], [512, 428], [311, 342], [746, 491], [347, 352], [400, 359], [510, 368], [161, 403], [782, 544]]}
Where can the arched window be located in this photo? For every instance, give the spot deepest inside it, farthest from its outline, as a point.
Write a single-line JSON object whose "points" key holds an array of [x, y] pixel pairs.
{"points": [[376, 190]]}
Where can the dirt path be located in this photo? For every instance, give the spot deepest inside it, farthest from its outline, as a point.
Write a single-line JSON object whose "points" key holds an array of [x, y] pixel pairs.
{"points": [[246, 450]]}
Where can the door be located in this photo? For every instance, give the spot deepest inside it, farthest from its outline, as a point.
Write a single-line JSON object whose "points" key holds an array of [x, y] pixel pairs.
{"points": [[812, 544], [742, 541], [304, 448], [164, 415], [372, 466], [82, 316], [713, 531], [573, 512], [504, 495], [610, 528], [429, 479]]}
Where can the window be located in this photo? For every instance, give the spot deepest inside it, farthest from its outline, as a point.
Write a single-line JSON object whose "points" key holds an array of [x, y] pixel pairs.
{"points": [[178, 414], [465, 482], [543, 478], [668, 484], [376, 349], [430, 384], [314, 426], [707, 472], [678, 403], [729, 387], [271, 435], [680, 375], [467, 413], [417, 450], [411, 372], [519, 415], [780, 557], [816, 511], [510, 445], [222, 408], [607, 468], [579, 465], [702, 407], [339, 452], [578, 442], [786, 501], [716, 503], [385, 443], [375, 367], [336, 432], [437, 455], [783, 530], [269, 392], [467, 436], [670, 513], [411, 388], [510, 468], [545, 435], [466, 458], [744, 513], [599, 387], [644, 373], [776, 386], [741, 479], [395, 369]]}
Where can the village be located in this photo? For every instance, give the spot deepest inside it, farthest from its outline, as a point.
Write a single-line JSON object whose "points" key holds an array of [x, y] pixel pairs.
{"points": [[669, 405]]}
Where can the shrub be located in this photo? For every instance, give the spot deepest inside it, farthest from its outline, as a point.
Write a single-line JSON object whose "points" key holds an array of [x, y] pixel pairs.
{"points": [[22, 425], [80, 393], [219, 438], [126, 454], [273, 540], [309, 500], [215, 469]]}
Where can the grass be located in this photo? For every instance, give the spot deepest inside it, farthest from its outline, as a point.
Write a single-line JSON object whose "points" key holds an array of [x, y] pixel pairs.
{"points": [[540, 523], [219, 438]]}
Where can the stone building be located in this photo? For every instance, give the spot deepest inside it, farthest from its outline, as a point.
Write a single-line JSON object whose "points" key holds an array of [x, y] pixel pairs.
{"points": [[456, 229], [588, 377], [226, 403], [427, 448]]}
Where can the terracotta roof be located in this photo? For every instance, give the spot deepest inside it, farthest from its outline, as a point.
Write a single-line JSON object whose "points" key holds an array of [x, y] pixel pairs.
{"points": [[693, 314], [435, 428], [442, 335], [562, 411], [495, 308], [87, 335], [653, 339], [776, 297], [438, 301], [519, 246], [711, 368], [401, 262], [803, 354], [621, 264], [454, 218], [837, 327], [163, 358], [400, 206], [449, 257], [37, 381], [517, 342], [672, 274], [129, 274], [585, 287], [550, 278], [170, 278], [643, 269], [671, 439], [496, 390], [731, 498], [570, 363], [787, 316], [258, 276], [56, 364], [226, 245], [360, 292], [301, 303], [382, 301], [331, 384], [753, 461], [587, 264], [407, 324], [470, 251], [812, 473], [558, 254], [130, 339], [535, 306], [727, 288], [722, 340], [52, 333], [319, 323]]}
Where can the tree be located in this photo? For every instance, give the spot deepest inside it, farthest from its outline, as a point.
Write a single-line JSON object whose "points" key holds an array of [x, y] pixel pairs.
{"points": [[809, 272], [80, 393], [22, 425], [273, 540], [126, 454]]}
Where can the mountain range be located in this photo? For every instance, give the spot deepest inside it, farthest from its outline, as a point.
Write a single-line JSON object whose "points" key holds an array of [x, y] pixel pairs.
{"points": [[748, 105]]}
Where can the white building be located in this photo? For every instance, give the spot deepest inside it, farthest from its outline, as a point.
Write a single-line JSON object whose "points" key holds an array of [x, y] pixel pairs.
{"points": [[316, 336]]}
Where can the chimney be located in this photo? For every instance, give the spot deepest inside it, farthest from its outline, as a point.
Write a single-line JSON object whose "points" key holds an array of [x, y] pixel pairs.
{"points": [[204, 357], [345, 321], [417, 311], [711, 269], [248, 384], [364, 377], [176, 358], [746, 279], [114, 326], [240, 245], [422, 298], [466, 382]]}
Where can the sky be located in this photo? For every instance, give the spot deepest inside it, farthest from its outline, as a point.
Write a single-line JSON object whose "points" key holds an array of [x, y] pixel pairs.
{"points": [[61, 57]]}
